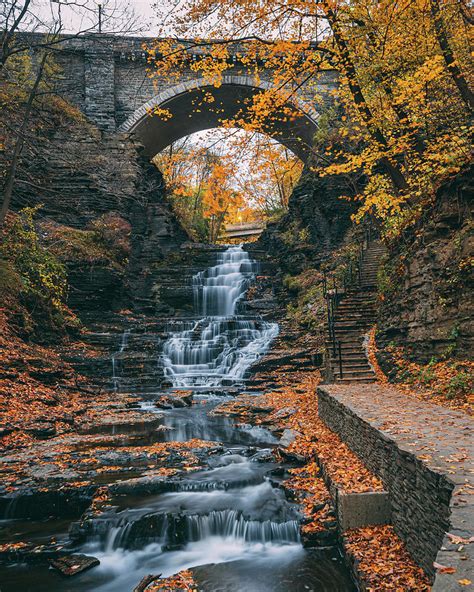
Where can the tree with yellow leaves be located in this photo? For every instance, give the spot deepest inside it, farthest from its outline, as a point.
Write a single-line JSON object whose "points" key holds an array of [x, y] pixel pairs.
{"points": [[405, 72]]}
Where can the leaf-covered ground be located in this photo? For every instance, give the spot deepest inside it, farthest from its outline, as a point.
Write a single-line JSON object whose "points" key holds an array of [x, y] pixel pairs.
{"points": [[381, 558], [449, 383]]}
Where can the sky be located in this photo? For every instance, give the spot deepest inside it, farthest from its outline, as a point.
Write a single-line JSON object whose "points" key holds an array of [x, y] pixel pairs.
{"points": [[76, 18]]}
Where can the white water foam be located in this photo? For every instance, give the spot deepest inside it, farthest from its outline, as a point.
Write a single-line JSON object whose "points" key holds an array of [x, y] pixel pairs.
{"points": [[220, 345]]}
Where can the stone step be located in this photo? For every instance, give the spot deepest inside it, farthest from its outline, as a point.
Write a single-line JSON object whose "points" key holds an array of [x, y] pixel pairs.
{"points": [[358, 355], [349, 355], [353, 318], [357, 364], [355, 344], [342, 335], [349, 380], [356, 373], [354, 314], [349, 328]]}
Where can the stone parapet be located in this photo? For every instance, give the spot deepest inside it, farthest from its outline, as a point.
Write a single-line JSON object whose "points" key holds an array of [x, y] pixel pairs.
{"points": [[421, 453]]}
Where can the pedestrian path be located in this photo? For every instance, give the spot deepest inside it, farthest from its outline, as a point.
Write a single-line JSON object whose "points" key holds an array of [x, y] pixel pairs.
{"points": [[423, 454]]}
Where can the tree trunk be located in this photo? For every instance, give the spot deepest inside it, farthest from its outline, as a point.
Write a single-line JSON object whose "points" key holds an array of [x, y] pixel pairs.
{"points": [[459, 80], [395, 173], [7, 34], [10, 182]]}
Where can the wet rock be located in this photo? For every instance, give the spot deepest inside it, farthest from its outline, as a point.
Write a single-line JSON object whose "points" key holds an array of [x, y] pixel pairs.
{"points": [[292, 457], [265, 455], [284, 413], [36, 504], [288, 437], [145, 582], [322, 538], [42, 431], [71, 565], [129, 423], [259, 409], [163, 403], [146, 485], [53, 473], [175, 401]]}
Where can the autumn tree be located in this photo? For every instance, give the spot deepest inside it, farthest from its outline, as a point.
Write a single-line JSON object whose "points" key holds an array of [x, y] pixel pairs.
{"points": [[258, 176], [405, 73]]}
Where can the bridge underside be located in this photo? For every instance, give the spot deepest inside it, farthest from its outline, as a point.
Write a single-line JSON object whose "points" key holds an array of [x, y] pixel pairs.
{"points": [[191, 113]]}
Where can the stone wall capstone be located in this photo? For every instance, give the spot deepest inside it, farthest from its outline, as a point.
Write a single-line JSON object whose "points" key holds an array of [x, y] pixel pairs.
{"points": [[419, 498]]}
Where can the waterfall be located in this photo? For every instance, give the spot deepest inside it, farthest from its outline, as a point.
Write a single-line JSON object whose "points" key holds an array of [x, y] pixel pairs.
{"points": [[164, 528], [231, 523], [123, 345], [221, 344]]}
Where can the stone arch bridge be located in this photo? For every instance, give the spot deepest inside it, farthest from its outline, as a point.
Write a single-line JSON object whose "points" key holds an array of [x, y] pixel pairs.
{"points": [[105, 76]]}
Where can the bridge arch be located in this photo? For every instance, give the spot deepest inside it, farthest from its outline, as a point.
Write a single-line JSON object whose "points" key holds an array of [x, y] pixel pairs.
{"points": [[157, 133]]}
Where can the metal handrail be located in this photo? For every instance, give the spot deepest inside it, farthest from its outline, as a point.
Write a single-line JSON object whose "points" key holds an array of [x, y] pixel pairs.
{"points": [[351, 273]]}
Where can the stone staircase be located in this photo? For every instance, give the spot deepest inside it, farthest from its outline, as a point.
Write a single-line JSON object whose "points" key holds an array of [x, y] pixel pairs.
{"points": [[353, 318]]}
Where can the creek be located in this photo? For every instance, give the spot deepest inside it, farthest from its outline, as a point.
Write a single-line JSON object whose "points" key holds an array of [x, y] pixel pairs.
{"points": [[230, 521]]}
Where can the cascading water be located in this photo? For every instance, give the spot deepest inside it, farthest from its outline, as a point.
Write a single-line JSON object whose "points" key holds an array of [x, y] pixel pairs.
{"points": [[221, 345], [123, 345], [228, 520]]}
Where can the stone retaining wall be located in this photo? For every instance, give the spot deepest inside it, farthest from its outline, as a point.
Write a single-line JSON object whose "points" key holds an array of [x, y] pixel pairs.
{"points": [[419, 497]]}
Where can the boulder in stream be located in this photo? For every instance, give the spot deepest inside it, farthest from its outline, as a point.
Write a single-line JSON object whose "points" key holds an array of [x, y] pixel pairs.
{"points": [[176, 400], [288, 437], [71, 565]]}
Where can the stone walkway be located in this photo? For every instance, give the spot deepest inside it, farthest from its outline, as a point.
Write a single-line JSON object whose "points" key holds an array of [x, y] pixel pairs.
{"points": [[422, 452]]}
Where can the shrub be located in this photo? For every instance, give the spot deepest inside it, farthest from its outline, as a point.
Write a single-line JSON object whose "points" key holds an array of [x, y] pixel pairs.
{"points": [[105, 240], [33, 276], [459, 384]]}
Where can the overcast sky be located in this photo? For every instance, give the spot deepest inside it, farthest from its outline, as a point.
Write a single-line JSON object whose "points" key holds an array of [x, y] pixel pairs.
{"points": [[76, 18]]}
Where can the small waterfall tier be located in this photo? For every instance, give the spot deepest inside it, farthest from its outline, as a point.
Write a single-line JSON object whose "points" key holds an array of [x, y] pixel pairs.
{"points": [[221, 344]]}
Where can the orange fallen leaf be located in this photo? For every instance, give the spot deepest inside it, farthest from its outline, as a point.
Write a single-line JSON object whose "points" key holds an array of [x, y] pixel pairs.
{"points": [[457, 540], [444, 569]]}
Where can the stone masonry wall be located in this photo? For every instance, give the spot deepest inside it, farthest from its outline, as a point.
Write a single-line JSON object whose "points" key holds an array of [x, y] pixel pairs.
{"points": [[105, 75], [419, 496]]}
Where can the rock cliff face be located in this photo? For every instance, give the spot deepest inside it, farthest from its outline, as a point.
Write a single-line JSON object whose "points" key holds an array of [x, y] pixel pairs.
{"points": [[426, 279], [156, 240], [82, 174], [316, 223]]}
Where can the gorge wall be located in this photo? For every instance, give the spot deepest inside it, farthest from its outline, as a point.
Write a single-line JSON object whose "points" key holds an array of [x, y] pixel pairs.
{"points": [[315, 224], [426, 280], [82, 175]]}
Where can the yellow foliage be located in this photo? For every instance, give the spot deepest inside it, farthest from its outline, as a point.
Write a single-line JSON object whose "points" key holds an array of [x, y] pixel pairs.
{"points": [[401, 68]]}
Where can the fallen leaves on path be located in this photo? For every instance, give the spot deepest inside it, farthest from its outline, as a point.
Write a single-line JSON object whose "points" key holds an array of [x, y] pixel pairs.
{"points": [[449, 383]]}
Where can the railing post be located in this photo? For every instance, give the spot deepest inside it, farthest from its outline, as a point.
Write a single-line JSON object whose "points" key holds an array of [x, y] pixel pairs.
{"points": [[340, 359]]}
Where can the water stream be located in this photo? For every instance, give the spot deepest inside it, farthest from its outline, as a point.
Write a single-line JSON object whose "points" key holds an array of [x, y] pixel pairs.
{"points": [[220, 346], [230, 520]]}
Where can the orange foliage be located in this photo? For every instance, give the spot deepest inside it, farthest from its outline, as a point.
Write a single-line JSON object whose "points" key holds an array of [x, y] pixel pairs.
{"points": [[382, 561], [405, 70]]}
